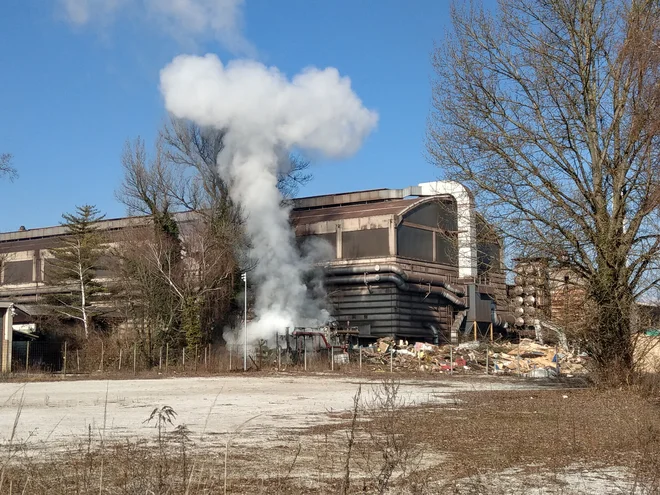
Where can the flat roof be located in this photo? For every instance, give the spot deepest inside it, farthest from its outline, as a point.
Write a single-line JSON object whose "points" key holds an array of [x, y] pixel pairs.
{"points": [[309, 209]]}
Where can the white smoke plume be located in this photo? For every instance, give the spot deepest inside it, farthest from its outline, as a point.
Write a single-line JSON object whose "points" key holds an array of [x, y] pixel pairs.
{"points": [[185, 20], [266, 115]]}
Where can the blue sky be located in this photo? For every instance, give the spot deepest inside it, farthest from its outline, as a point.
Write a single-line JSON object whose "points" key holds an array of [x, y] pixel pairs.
{"points": [[79, 77]]}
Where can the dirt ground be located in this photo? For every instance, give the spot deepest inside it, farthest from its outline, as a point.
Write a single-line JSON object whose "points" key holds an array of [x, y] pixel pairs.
{"points": [[59, 412], [292, 434]]}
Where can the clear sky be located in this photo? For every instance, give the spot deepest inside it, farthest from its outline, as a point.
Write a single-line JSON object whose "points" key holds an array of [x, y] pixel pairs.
{"points": [[79, 77]]}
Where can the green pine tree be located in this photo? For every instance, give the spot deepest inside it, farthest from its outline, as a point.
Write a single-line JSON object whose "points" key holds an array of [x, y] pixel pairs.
{"points": [[74, 264]]}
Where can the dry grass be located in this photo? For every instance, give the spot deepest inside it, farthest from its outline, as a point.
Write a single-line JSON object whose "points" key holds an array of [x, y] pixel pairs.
{"points": [[381, 446]]}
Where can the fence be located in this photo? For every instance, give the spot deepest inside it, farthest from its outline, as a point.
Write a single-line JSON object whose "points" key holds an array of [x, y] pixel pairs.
{"points": [[135, 358], [113, 358], [109, 358], [37, 356]]}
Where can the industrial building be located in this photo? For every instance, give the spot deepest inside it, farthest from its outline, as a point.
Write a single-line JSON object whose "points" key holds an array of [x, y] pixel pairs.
{"points": [[417, 263]]}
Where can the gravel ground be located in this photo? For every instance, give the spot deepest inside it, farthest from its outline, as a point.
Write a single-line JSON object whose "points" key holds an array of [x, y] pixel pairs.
{"points": [[53, 413]]}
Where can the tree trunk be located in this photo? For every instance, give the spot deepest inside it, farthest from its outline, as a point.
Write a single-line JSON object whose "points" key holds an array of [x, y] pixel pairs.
{"points": [[83, 303], [611, 334]]}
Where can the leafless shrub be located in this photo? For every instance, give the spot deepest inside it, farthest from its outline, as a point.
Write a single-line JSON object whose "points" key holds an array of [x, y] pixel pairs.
{"points": [[386, 451]]}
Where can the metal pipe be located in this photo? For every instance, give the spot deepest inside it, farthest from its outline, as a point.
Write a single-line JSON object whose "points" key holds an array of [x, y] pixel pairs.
{"points": [[436, 334], [500, 321], [426, 278], [244, 277], [307, 333], [398, 281]]}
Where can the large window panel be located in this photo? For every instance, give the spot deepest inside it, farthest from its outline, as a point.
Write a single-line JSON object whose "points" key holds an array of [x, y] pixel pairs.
{"points": [[446, 248], [437, 215], [370, 243], [324, 244], [415, 243], [488, 257], [18, 272]]}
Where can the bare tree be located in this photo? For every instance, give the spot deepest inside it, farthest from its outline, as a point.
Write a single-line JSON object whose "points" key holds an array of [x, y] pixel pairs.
{"points": [[548, 111], [148, 304], [186, 268], [196, 148], [6, 167]]}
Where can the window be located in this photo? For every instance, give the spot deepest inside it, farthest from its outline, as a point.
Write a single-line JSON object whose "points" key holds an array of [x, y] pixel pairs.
{"points": [[368, 243], [329, 241], [17, 272], [437, 215], [446, 248], [415, 243]]}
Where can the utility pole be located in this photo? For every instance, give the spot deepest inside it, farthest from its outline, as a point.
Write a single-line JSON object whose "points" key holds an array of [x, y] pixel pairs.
{"points": [[244, 278]]}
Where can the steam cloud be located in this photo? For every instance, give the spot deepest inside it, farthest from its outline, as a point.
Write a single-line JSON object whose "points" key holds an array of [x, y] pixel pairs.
{"points": [[267, 115], [185, 20]]}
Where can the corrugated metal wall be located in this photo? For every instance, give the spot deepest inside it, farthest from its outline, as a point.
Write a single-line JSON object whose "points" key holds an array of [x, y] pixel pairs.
{"points": [[383, 310]]}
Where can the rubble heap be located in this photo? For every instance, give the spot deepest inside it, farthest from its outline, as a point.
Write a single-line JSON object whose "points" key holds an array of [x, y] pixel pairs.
{"points": [[526, 358]]}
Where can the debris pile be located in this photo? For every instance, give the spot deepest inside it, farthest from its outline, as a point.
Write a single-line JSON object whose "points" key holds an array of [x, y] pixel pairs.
{"points": [[526, 358]]}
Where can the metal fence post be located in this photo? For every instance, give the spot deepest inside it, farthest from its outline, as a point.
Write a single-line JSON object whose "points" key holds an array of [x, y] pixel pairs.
{"points": [[167, 356], [486, 359], [102, 351], [332, 359], [27, 358], [160, 358], [64, 370], [196, 359], [391, 359], [451, 360], [120, 359], [229, 357], [77, 361], [360, 349], [134, 358], [305, 351], [184, 359], [277, 349]]}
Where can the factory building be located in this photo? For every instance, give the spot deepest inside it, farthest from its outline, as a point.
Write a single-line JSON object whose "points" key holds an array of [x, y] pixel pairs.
{"points": [[417, 263]]}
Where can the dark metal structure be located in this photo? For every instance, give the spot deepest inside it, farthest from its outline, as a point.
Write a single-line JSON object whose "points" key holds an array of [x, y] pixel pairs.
{"points": [[415, 263]]}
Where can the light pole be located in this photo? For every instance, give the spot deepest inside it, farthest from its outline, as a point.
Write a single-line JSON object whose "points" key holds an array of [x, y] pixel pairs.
{"points": [[244, 278]]}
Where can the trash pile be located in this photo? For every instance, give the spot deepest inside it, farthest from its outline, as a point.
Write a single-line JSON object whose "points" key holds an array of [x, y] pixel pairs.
{"points": [[526, 358]]}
